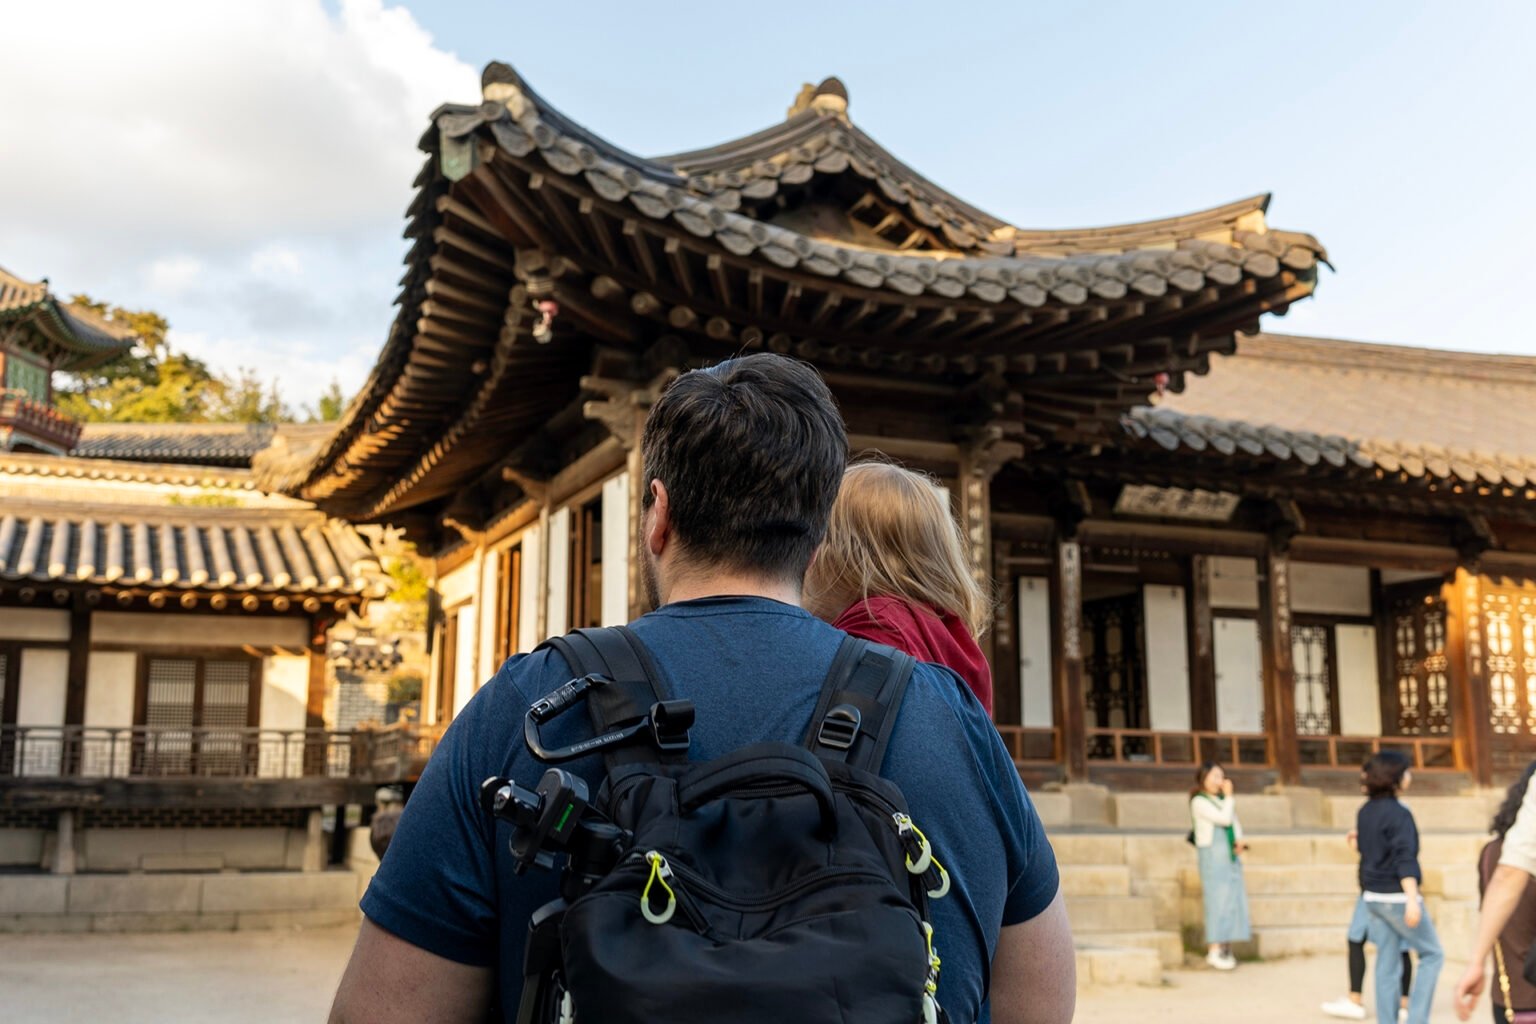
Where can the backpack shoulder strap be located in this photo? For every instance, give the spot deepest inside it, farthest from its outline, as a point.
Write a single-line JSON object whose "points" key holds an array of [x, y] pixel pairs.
{"points": [[856, 711], [615, 653]]}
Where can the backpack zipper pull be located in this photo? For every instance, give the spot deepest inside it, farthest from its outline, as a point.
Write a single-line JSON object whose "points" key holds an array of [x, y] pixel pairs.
{"points": [[917, 844], [660, 872]]}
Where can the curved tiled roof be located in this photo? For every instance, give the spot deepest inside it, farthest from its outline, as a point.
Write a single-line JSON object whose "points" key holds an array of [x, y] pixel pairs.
{"points": [[1387, 410], [863, 264], [525, 126], [204, 550], [73, 337]]}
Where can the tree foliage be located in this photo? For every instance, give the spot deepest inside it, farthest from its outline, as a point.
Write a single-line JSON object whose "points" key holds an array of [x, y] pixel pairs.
{"points": [[153, 383], [332, 403]]}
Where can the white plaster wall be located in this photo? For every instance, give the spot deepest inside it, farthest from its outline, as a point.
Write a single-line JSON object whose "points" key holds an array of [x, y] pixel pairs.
{"points": [[44, 679], [1035, 687], [1359, 684], [284, 700], [110, 680], [528, 604], [1167, 639], [486, 666], [1330, 589], [34, 624], [1234, 583], [148, 629], [616, 551], [465, 682], [457, 586], [1239, 676], [558, 620]]}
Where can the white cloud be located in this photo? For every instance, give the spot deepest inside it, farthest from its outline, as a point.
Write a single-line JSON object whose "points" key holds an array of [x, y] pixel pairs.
{"points": [[173, 274], [179, 152], [276, 260]]}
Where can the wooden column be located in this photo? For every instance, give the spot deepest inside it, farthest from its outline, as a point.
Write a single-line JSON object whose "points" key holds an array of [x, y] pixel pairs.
{"points": [[1279, 670], [624, 412], [1473, 733], [979, 463], [1067, 653], [79, 662], [1006, 699], [1202, 657], [314, 698]]}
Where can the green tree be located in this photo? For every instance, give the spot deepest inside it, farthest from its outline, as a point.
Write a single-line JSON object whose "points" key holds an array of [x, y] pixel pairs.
{"points": [[152, 383], [332, 403]]}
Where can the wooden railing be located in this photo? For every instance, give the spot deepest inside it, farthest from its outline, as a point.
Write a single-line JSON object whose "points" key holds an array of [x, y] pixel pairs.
{"points": [[1180, 749], [1426, 754], [1031, 745], [160, 752]]}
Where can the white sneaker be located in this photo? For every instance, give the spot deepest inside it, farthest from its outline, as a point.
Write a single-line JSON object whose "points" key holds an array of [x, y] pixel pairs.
{"points": [[1221, 963], [1402, 1015], [1345, 1008]]}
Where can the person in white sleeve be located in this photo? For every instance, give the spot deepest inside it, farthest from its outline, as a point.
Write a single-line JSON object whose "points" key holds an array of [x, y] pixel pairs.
{"points": [[1218, 839]]}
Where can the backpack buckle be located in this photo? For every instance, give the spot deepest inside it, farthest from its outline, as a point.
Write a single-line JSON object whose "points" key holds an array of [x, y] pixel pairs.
{"points": [[840, 728], [670, 721]]}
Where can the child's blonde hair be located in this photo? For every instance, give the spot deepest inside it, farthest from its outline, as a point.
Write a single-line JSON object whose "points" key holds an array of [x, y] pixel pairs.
{"points": [[892, 535]]}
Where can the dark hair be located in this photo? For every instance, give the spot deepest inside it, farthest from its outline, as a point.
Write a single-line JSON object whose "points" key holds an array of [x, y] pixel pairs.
{"points": [[1206, 767], [752, 453], [1383, 773], [1513, 798]]}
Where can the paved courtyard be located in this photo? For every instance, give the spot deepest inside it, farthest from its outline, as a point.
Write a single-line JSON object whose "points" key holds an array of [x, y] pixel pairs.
{"points": [[263, 977]]}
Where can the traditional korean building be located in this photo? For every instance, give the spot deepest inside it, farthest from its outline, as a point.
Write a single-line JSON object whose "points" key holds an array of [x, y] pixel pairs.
{"points": [[38, 335], [163, 655], [1286, 560]]}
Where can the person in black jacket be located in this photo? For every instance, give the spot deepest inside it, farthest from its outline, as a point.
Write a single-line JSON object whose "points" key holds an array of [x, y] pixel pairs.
{"points": [[1390, 877]]}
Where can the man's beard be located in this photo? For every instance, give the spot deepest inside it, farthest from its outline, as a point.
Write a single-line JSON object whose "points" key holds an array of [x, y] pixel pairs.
{"points": [[648, 578]]}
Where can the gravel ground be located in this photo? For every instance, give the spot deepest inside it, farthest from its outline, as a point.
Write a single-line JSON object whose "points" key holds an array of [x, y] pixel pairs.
{"points": [[261, 977]]}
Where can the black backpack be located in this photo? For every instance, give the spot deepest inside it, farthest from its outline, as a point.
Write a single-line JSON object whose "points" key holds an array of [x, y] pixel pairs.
{"points": [[776, 883]]}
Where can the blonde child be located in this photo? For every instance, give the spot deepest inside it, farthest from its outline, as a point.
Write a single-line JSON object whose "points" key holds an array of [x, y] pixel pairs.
{"points": [[893, 569]]}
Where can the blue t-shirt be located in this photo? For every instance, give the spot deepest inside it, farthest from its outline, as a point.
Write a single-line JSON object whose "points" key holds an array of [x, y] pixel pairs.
{"points": [[753, 668]]}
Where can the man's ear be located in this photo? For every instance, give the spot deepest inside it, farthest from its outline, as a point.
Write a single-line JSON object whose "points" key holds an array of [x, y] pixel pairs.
{"points": [[658, 525]]}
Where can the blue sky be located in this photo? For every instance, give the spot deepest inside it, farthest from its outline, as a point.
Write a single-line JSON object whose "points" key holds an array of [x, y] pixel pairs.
{"points": [[1400, 134]]}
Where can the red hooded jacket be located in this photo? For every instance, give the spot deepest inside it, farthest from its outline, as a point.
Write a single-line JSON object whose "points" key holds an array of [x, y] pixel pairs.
{"points": [[940, 638]]}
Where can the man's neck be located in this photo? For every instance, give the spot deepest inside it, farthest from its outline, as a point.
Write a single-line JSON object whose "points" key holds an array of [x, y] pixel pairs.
{"points": [[692, 587]]}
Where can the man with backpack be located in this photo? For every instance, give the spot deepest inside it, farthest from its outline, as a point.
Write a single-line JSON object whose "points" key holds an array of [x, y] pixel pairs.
{"points": [[742, 462]]}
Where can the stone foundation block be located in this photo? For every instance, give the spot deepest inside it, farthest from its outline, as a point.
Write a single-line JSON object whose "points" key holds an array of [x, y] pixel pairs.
{"points": [[163, 923], [33, 894], [326, 890], [267, 920], [135, 894]]}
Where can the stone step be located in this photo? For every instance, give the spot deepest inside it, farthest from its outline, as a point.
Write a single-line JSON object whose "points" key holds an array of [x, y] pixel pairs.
{"points": [[1119, 965], [1292, 911], [1088, 847], [1293, 880], [1469, 812], [1095, 880], [1170, 811], [1093, 914], [1166, 944], [1273, 943]]}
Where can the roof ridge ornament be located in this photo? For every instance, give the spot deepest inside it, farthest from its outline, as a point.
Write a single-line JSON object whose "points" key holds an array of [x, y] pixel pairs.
{"points": [[499, 83], [830, 97]]}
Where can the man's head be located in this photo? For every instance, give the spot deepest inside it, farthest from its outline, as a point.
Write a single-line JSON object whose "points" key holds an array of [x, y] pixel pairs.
{"points": [[742, 463]]}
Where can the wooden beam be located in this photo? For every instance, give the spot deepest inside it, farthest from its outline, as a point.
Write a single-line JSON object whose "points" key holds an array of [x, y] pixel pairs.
{"points": [[677, 259]]}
